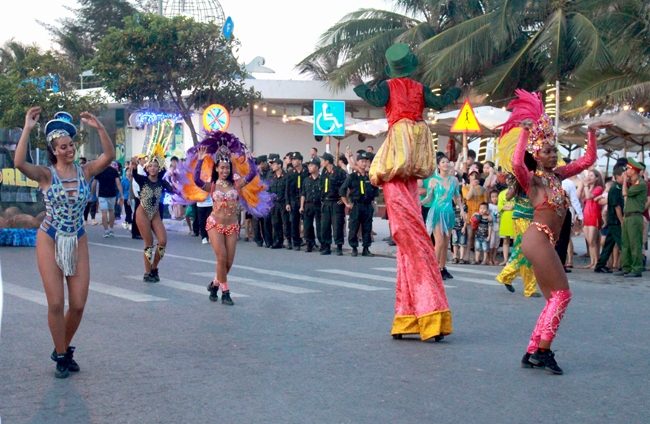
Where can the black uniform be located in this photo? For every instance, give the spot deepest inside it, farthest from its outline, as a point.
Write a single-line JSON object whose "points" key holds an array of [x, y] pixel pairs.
{"points": [[278, 212], [333, 213], [263, 227], [295, 180], [311, 191], [362, 194]]}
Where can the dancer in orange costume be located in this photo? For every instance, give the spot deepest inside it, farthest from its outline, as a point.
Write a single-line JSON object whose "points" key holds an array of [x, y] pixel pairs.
{"points": [[408, 154]]}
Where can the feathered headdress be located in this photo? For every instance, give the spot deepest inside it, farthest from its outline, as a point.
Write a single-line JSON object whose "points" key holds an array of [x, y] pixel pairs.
{"points": [[530, 106], [222, 147], [157, 155]]}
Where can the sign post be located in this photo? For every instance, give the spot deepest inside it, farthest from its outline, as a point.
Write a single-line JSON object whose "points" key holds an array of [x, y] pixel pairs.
{"points": [[466, 122]]}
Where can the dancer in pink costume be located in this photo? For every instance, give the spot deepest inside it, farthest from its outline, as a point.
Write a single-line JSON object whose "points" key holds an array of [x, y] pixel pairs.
{"points": [[408, 154], [535, 167]]}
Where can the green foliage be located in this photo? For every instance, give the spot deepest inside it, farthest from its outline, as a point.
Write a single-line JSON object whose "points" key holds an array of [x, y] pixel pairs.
{"points": [[158, 58], [78, 36], [20, 88]]}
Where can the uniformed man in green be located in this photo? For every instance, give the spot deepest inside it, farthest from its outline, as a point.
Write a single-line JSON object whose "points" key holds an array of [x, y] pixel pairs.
{"points": [[278, 187], [310, 204], [333, 210], [362, 193], [295, 177], [635, 198]]}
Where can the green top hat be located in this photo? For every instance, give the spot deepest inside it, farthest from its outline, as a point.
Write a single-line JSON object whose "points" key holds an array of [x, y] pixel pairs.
{"points": [[401, 62]]}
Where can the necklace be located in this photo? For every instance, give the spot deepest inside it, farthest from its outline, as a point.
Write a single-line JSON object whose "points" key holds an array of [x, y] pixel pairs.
{"points": [[223, 183], [558, 198]]}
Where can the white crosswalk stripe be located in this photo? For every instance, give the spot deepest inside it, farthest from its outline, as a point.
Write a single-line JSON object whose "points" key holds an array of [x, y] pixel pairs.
{"points": [[313, 279], [262, 284], [27, 294], [367, 276], [477, 281], [179, 285], [493, 271], [131, 295]]}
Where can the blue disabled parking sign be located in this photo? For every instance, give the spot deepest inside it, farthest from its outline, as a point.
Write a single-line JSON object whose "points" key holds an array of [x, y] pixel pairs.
{"points": [[329, 118]]}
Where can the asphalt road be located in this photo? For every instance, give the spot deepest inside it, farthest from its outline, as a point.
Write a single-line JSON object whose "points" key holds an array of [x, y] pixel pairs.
{"points": [[308, 341]]}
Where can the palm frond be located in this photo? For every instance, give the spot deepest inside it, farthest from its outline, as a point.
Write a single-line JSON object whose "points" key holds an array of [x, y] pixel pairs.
{"points": [[550, 48], [588, 51], [455, 34], [504, 78]]}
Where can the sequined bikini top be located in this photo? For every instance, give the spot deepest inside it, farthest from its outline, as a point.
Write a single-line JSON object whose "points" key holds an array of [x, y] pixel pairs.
{"points": [[225, 200], [558, 200]]}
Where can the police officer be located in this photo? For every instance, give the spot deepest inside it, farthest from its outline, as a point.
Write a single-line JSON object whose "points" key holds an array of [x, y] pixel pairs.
{"points": [[362, 194], [279, 188], [310, 204], [262, 227], [333, 209], [295, 178]]}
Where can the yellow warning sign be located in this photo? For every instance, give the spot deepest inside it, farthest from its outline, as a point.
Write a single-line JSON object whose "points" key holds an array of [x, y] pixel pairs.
{"points": [[466, 121]]}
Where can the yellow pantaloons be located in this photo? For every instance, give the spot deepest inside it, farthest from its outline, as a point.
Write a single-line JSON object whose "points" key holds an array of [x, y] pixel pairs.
{"points": [[518, 264]]}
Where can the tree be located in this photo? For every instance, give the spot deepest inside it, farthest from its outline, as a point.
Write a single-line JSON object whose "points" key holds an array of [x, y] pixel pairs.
{"points": [[156, 58], [34, 78], [78, 36], [356, 44]]}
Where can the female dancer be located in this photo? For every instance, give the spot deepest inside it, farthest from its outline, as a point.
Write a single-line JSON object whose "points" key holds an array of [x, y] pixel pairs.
{"points": [[147, 214], [592, 214], [544, 188], [443, 189], [61, 245], [233, 176]]}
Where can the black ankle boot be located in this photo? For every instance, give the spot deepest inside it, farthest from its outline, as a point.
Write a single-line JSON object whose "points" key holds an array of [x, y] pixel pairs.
{"points": [[354, 251], [366, 252], [545, 360], [339, 250], [225, 298], [62, 370], [214, 290], [154, 275], [326, 250], [72, 364]]}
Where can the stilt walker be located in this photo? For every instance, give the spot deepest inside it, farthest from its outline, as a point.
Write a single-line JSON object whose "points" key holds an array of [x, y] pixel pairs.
{"points": [[408, 154]]}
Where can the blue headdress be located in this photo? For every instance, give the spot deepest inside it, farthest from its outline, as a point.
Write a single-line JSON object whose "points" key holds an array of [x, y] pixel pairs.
{"points": [[60, 126]]}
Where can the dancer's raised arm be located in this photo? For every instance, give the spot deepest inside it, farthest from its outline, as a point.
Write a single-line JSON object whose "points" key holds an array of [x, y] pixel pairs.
{"points": [[579, 165], [96, 166], [37, 173]]}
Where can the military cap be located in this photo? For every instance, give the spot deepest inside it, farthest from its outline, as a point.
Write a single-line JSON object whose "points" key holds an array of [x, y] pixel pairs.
{"points": [[296, 155], [632, 163], [328, 157], [261, 159]]}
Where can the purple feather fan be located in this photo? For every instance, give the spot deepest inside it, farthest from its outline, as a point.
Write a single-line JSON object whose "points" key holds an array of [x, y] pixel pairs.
{"points": [[182, 176]]}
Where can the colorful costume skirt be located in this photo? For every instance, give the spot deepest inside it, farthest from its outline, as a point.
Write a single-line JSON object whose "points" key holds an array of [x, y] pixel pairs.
{"points": [[518, 264], [407, 152], [420, 302]]}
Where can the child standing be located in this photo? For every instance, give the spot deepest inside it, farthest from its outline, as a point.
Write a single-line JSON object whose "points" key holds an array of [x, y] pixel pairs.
{"points": [[506, 228], [459, 236], [481, 221], [494, 236]]}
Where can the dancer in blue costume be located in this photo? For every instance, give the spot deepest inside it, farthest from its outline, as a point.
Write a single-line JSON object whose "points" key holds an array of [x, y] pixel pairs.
{"points": [[443, 189], [61, 245]]}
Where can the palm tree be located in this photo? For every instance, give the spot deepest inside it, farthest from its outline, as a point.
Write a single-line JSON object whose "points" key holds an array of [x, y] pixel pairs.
{"points": [[358, 41], [521, 44], [14, 52], [627, 81]]}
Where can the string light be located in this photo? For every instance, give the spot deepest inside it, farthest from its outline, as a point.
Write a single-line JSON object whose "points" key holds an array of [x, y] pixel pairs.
{"points": [[568, 98], [641, 110], [256, 107], [264, 109], [590, 103]]}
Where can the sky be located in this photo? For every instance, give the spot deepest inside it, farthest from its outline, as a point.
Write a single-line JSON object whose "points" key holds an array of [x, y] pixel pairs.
{"points": [[282, 31]]}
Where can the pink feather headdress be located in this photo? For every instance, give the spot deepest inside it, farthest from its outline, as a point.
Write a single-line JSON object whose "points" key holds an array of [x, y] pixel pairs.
{"points": [[530, 106]]}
